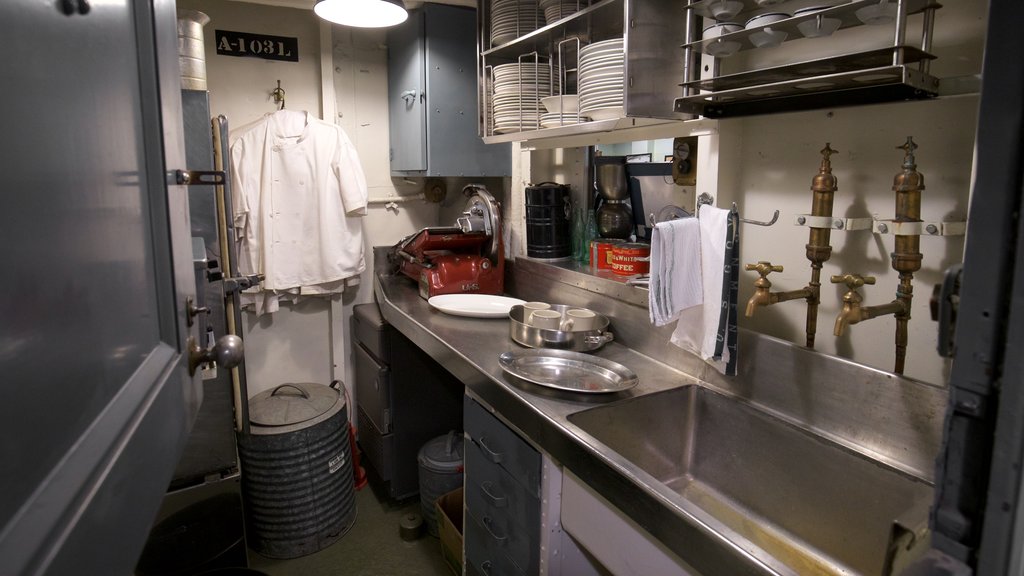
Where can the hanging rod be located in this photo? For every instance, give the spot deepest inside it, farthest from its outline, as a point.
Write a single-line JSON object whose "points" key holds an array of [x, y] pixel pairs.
{"points": [[708, 199]]}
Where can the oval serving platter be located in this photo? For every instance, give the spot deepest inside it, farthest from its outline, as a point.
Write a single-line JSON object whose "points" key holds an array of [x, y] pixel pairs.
{"points": [[567, 370]]}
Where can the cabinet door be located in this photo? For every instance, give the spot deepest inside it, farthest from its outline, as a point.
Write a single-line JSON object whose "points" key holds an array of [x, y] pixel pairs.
{"points": [[96, 399], [406, 87]]}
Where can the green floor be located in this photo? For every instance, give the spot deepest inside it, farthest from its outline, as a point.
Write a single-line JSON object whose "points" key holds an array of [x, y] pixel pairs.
{"points": [[373, 547]]}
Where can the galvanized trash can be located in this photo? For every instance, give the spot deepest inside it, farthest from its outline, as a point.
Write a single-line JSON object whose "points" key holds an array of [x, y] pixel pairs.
{"points": [[441, 471], [296, 465]]}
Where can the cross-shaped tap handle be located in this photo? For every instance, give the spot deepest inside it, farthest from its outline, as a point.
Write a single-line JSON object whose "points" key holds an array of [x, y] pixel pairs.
{"points": [[853, 281], [764, 268]]}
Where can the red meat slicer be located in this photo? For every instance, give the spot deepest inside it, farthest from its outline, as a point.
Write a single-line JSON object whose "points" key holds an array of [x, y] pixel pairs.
{"points": [[467, 258]]}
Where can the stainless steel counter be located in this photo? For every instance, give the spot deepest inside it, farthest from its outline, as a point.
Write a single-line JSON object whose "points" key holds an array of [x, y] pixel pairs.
{"points": [[469, 348]]}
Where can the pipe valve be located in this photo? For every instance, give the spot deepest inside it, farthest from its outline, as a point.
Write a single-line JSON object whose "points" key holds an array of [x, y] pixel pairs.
{"points": [[764, 268], [853, 281]]}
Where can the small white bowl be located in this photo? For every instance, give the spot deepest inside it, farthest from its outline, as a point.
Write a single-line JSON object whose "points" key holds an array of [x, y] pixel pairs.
{"points": [[883, 13], [565, 104], [819, 27], [719, 29], [766, 18], [725, 9], [768, 38], [722, 48]]}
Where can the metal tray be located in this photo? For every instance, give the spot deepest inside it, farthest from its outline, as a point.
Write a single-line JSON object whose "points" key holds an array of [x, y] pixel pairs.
{"points": [[566, 370], [533, 337]]}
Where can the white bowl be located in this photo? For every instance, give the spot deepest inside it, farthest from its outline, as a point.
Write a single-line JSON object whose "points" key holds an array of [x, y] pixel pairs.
{"points": [[566, 103], [819, 27], [722, 48], [767, 38], [766, 18], [883, 13], [719, 29], [725, 9]]}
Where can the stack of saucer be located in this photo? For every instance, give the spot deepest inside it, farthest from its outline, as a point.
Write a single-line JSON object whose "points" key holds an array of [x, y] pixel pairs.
{"points": [[518, 89], [601, 79], [511, 19], [558, 9]]}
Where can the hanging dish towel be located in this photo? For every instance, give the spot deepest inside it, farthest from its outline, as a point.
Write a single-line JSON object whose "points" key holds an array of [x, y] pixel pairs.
{"points": [[709, 329], [675, 283]]}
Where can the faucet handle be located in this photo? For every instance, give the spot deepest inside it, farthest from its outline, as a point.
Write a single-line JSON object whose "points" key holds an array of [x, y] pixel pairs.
{"points": [[853, 281], [764, 268]]}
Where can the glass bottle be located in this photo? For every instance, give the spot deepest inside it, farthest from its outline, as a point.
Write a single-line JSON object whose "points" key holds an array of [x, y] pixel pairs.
{"points": [[589, 234], [579, 230]]}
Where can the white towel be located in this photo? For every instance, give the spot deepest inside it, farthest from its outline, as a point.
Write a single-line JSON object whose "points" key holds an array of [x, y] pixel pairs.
{"points": [[701, 326], [675, 269]]}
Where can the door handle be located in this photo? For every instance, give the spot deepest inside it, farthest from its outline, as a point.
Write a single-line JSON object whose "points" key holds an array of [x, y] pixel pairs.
{"points": [[409, 96], [226, 353], [488, 523]]}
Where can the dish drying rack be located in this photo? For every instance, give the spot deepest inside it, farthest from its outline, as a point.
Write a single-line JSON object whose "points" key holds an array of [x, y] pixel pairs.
{"points": [[899, 71]]}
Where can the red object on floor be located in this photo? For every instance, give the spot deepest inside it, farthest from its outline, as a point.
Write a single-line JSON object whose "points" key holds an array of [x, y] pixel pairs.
{"points": [[358, 472]]}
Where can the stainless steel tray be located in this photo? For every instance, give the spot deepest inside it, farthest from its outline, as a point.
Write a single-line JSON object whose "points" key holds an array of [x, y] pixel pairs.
{"points": [[533, 337], [566, 370]]}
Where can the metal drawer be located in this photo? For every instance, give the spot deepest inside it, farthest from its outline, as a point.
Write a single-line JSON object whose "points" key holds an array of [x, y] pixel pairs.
{"points": [[492, 489], [486, 553], [370, 330], [500, 445], [373, 389]]}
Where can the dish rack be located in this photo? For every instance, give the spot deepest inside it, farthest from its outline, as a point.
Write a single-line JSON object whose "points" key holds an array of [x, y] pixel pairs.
{"points": [[651, 68], [899, 71]]}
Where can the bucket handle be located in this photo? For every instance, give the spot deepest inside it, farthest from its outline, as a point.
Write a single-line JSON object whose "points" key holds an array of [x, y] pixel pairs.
{"points": [[449, 446], [302, 392]]}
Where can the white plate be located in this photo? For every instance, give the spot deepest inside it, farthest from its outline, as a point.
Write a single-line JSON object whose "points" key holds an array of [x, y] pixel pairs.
{"points": [[475, 305], [606, 113]]}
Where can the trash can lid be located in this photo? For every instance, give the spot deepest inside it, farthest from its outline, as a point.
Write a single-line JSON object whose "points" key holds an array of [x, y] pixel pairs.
{"points": [[442, 454], [291, 403]]}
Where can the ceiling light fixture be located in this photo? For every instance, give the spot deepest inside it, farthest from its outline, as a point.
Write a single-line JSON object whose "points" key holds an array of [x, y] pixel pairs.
{"points": [[362, 13]]}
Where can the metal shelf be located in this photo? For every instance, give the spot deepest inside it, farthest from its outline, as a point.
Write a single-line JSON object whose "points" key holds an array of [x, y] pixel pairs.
{"points": [[845, 13], [867, 77], [602, 20]]}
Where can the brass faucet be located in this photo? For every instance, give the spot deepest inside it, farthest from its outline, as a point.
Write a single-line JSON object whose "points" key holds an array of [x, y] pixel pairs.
{"points": [[763, 295], [853, 312], [906, 259], [819, 250]]}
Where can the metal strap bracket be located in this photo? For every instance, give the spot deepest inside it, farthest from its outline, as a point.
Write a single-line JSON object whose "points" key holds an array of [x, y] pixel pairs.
{"points": [[920, 228], [196, 177], [833, 222]]}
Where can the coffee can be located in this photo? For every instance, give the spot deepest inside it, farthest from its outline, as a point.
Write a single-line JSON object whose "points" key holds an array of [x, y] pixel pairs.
{"points": [[601, 252], [631, 258]]}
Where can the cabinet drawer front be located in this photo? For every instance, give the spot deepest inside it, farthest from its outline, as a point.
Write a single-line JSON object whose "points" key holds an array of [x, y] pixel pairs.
{"points": [[371, 330], [501, 446], [486, 553], [493, 490], [373, 389]]}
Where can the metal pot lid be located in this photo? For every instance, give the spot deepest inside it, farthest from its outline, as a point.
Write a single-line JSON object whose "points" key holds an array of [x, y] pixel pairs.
{"points": [[442, 454], [291, 403]]}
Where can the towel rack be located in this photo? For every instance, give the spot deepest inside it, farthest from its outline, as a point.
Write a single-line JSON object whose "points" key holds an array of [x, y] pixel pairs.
{"points": [[708, 199]]}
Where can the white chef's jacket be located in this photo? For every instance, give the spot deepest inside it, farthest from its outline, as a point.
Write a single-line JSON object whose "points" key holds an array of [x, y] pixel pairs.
{"points": [[298, 191]]}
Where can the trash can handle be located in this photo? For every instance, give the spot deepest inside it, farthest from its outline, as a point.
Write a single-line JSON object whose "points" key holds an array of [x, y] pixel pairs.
{"points": [[301, 391], [450, 444]]}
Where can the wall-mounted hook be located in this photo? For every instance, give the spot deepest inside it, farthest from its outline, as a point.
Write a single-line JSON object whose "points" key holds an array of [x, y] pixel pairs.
{"points": [[775, 218], [278, 94]]}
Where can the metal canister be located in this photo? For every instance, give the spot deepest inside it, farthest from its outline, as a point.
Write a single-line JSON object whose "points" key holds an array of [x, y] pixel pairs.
{"points": [[601, 252], [631, 258]]}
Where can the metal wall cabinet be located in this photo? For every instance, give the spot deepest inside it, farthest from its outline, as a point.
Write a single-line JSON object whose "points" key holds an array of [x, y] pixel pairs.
{"points": [[653, 65], [432, 106], [503, 497]]}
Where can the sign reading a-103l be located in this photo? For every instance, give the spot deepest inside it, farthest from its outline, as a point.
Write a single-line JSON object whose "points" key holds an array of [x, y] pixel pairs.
{"points": [[257, 45]]}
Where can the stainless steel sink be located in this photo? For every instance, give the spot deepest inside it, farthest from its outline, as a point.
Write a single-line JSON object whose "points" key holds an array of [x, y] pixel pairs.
{"points": [[809, 504]]}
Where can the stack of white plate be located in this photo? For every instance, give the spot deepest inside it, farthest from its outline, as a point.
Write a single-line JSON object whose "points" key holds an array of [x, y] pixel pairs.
{"points": [[558, 9], [511, 19], [554, 119], [601, 73], [517, 93]]}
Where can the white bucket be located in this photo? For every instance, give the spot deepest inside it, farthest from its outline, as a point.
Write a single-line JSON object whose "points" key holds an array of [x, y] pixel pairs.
{"points": [[191, 50]]}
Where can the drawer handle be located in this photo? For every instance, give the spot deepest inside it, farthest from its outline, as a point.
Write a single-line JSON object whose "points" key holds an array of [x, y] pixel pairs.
{"points": [[495, 457], [497, 501], [486, 567], [487, 526]]}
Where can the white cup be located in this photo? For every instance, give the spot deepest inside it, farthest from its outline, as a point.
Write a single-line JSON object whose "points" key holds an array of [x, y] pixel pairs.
{"points": [[579, 320], [529, 307], [546, 319]]}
